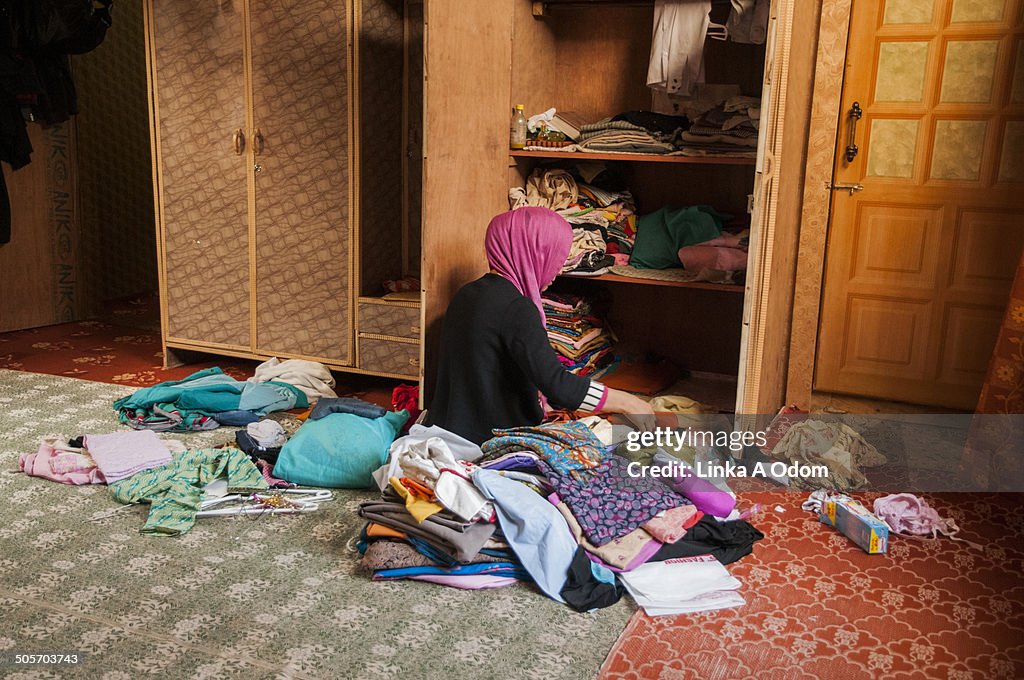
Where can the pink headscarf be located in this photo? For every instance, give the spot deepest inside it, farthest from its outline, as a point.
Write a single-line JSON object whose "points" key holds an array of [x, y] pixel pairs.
{"points": [[528, 246]]}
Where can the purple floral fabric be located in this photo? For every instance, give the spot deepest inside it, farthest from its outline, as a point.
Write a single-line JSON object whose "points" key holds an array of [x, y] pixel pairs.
{"points": [[607, 502]]}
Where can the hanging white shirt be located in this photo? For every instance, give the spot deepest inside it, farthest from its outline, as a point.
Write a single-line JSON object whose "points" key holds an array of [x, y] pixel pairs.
{"points": [[677, 46]]}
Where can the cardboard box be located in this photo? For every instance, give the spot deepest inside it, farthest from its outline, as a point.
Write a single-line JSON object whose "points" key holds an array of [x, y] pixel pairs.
{"points": [[855, 522]]}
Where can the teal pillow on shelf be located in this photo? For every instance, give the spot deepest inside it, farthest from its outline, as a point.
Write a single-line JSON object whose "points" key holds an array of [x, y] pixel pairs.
{"points": [[340, 450], [661, 234]]}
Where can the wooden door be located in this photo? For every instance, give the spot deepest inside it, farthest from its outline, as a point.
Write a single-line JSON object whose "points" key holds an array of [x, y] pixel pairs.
{"points": [[198, 76], [919, 263], [300, 95]]}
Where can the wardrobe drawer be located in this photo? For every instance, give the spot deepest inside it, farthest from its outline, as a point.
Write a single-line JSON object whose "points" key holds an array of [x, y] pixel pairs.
{"points": [[389, 356], [400, 322]]}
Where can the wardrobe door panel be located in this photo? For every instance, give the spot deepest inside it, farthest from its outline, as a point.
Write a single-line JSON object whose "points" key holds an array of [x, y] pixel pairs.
{"points": [[300, 107], [200, 93]]}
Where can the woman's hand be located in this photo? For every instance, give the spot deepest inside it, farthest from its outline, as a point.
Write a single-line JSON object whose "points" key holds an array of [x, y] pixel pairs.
{"points": [[637, 410]]}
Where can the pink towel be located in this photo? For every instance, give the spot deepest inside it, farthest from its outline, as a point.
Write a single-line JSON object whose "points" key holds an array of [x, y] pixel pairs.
{"points": [[696, 258], [58, 462]]}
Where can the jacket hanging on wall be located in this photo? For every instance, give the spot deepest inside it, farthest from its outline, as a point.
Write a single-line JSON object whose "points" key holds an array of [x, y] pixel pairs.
{"points": [[36, 37]]}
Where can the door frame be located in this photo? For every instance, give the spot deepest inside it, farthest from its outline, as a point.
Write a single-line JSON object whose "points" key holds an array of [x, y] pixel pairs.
{"points": [[829, 78]]}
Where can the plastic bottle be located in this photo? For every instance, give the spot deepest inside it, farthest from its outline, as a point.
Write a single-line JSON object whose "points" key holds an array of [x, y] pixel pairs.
{"points": [[517, 129]]}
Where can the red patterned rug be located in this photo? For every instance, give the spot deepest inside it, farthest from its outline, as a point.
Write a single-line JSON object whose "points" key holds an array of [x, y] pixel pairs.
{"points": [[123, 347], [819, 607]]}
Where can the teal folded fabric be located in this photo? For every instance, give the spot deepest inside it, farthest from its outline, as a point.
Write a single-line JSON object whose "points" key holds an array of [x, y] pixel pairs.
{"points": [[206, 390], [661, 234], [189, 403], [340, 450]]}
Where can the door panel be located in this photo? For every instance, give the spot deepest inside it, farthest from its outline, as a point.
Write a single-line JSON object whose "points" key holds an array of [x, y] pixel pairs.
{"points": [[919, 263], [198, 53], [300, 105]]}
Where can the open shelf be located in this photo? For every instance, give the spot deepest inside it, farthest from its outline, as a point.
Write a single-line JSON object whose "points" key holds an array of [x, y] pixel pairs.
{"points": [[633, 157], [618, 278]]}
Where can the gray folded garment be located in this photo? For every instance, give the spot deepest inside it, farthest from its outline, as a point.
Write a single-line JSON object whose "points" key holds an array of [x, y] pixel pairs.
{"points": [[325, 406], [449, 534]]}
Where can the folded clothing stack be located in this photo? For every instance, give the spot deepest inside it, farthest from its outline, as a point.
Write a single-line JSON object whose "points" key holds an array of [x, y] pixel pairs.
{"points": [[729, 129], [613, 212], [620, 136], [582, 343], [603, 220]]}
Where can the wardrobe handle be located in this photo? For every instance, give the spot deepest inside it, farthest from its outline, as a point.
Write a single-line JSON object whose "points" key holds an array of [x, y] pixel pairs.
{"points": [[414, 362], [238, 139], [414, 329], [257, 142]]}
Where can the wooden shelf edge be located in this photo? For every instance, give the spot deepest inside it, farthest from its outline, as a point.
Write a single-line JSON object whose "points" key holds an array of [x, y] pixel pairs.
{"points": [[634, 157], [618, 278]]}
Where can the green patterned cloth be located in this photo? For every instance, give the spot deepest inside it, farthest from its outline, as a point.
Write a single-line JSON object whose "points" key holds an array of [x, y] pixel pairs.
{"points": [[176, 489]]}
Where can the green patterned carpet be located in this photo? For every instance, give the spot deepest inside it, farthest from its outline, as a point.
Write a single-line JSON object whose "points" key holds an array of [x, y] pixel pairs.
{"points": [[239, 597]]}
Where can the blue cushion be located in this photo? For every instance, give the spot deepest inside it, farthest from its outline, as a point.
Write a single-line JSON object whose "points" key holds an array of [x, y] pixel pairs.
{"points": [[340, 450]]}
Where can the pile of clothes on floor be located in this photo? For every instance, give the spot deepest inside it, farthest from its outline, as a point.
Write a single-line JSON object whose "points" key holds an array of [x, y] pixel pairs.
{"points": [[591, 199], [336, 443], [138, 466], [580, 339], [729, 129], [795, 436], [555, 505], [208, 399]]}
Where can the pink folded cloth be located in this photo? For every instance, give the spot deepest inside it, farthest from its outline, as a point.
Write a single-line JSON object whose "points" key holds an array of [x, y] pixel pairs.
{"points": [[704, 256], [669, 526], [58, 462], [122, 454]]}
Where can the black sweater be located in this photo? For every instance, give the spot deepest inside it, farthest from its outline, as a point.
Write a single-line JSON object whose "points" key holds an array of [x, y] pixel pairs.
{"points": [[495, 356]]}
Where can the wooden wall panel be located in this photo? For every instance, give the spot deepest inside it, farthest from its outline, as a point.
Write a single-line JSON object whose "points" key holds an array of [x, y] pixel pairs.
{"points": [[468, 87], [792, 175], [40, 269], [834, 27]]}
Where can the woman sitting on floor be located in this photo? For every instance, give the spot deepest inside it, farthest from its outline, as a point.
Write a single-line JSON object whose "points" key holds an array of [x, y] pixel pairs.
{"points": [[495, 355]]}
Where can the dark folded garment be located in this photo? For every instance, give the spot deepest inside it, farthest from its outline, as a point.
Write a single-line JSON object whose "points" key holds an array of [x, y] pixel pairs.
{"points": [[726, 541], [655, 122], [249, 445], [236, 418], [328, 405]]}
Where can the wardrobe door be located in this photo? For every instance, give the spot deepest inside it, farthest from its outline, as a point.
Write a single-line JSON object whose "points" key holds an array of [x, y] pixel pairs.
{"points": [[300, 74], [199, 82]]}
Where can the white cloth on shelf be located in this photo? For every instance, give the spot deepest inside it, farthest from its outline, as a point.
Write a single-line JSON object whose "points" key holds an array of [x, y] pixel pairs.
{"points": [[534, 121], [311, 377], [677, 46]]}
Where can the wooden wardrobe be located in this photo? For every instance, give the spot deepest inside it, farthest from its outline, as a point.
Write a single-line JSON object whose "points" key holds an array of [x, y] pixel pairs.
{"points": [[309, 151], [280, 134], [590, 56]]}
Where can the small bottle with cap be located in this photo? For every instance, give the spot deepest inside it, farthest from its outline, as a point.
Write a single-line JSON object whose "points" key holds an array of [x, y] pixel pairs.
{"points": [[517, 129]]}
